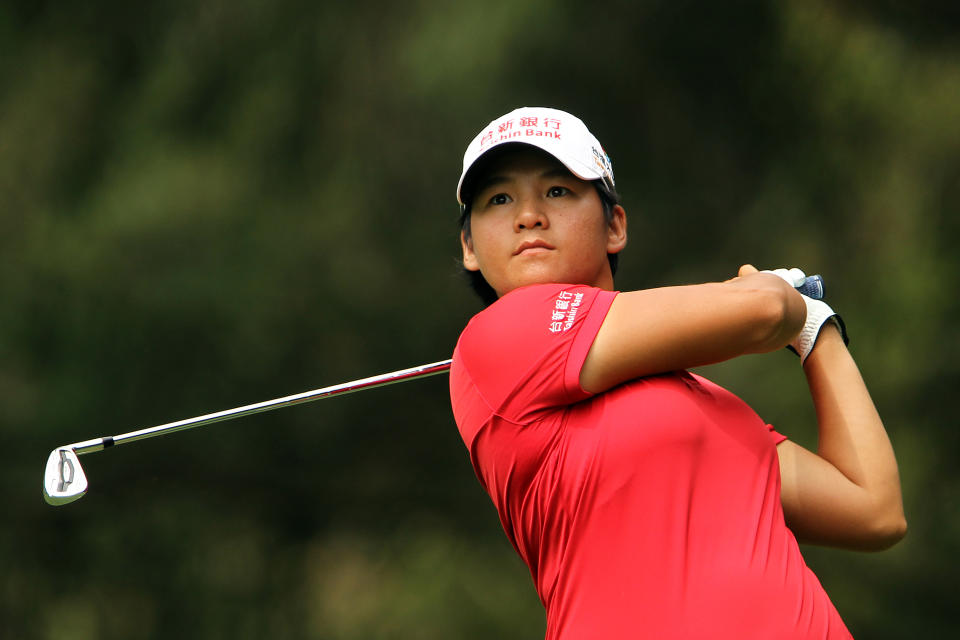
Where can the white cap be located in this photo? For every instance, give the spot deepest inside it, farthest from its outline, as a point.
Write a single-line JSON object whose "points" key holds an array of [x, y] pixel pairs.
{"points": [[560, 134]]}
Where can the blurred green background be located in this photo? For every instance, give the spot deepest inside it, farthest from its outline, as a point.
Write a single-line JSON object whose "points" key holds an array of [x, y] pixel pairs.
{"points": [[206, 204]]}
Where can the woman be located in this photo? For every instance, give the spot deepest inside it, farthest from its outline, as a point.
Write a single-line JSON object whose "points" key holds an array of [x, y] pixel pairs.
{"points": [[647, 501]]}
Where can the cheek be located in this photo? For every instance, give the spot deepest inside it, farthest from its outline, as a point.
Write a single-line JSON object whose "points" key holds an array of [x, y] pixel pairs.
{"points": [[485, 246], [593, 236], [489, 235]]}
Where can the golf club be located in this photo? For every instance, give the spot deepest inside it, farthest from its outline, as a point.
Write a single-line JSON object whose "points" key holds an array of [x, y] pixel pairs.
{"points": [[812, 287], [64, 480]]}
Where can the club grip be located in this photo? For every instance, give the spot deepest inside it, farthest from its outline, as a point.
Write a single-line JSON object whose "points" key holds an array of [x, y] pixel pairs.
{"points": [[812, 287]]}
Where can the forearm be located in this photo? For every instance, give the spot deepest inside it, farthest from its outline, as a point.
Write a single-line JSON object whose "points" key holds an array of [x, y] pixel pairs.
{"points": [[852, 437], [657, 330]]}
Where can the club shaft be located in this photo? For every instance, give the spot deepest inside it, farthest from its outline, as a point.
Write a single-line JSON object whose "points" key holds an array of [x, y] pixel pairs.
{"points": [[422, 371]]}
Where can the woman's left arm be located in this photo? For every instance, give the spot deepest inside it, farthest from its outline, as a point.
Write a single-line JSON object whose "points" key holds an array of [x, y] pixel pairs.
{"points": [[847, 494]]}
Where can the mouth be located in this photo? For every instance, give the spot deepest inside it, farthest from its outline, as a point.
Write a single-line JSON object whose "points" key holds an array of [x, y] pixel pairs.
{"points": [[533, 247]]}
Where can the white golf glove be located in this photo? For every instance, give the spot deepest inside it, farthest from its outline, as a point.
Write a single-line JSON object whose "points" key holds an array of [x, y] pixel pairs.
{"points": [[794, 277], [818, 314]]}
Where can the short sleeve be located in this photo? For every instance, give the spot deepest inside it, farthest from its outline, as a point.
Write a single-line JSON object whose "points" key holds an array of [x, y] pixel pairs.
{"points": [[776, 435], [524, 353]]}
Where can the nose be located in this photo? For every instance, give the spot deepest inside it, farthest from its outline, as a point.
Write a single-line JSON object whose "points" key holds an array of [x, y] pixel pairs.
{"points": [[530, 215]]}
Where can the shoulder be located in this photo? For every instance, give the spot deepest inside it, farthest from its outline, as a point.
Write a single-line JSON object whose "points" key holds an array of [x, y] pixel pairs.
{"points": [[544, 308], [534, 338]]}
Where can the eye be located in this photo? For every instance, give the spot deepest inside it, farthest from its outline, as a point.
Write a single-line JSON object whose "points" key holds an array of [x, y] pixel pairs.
{"points": [[557, 192], [500, 198]]}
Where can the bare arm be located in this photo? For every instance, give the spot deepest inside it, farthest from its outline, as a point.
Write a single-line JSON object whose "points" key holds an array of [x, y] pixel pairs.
{"points": [[847, 494], [657, 330]]}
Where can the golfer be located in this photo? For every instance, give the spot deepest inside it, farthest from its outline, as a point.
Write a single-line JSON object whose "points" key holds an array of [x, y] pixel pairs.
{"points": [[647, 501]]}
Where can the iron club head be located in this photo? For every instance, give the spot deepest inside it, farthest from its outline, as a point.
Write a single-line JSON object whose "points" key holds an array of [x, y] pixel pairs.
{"points": [[64, 480]]}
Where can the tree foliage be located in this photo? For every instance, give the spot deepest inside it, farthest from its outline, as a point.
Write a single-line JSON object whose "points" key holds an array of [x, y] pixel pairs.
{"points": [[205, 204]]}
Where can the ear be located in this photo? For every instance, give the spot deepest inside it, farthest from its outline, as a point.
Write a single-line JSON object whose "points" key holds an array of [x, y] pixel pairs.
{"points": [[617, 230], [470, 262]]}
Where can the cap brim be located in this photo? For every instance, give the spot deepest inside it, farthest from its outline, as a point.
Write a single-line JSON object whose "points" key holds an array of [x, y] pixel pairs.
{"points": [[584, 172]]}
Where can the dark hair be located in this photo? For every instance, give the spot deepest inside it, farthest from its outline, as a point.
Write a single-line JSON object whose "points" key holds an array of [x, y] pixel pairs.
{"points": [[609, 198]]}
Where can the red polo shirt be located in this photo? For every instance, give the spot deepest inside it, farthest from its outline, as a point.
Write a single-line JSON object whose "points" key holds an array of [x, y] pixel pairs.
{"points": [[650, 510]]}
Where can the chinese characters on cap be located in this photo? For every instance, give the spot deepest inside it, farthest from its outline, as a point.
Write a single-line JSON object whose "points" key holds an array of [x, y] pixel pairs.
{"points": [[523, 127]]}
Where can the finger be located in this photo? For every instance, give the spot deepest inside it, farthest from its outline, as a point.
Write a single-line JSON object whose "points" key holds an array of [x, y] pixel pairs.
{"points": [[797, 276], [794, 277], [746, 270]]}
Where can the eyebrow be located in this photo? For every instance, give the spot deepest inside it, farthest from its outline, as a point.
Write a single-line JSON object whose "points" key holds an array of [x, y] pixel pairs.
{"points": [[490, 181]]}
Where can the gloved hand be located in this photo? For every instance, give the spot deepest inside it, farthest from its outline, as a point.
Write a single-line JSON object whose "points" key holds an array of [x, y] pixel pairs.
{"points": [[794, 277], [818, 314]]}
